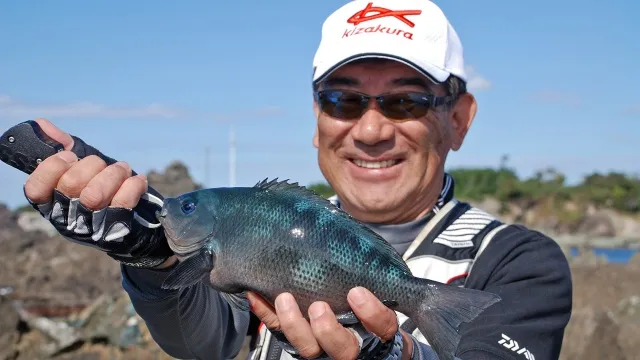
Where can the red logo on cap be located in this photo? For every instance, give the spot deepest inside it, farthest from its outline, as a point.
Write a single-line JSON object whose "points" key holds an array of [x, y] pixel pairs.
{"points": [[362, 15]]}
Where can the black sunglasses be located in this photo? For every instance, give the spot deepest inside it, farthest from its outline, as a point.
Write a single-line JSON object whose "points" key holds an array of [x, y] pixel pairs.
{"points": [[349, 104]]}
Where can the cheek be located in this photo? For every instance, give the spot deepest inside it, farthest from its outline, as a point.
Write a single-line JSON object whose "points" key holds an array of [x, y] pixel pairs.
{"points": [[432, 134], [331, 133]]}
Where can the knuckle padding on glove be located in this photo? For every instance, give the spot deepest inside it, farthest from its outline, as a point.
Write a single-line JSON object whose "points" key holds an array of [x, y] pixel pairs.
{"points": [[82, 150]]}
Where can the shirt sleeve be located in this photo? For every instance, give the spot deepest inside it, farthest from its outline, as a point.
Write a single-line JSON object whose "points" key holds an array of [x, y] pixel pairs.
{"points": [[531, 274], [422, 351], [192, 323]]}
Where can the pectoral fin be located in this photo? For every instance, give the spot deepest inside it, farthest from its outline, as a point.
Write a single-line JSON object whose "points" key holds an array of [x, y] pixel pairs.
{"points": [[190, 271]]}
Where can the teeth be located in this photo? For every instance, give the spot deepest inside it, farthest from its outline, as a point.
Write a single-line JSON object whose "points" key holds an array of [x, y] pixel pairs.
{"points": [[374, 164]]}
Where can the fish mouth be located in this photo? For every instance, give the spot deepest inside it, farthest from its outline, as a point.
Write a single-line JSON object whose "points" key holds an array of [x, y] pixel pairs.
{"points": [[176, 237], [183, 257], [186, 250], [179, 247]]}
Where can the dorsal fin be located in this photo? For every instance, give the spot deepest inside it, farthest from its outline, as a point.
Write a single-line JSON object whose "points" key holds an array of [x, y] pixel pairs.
{"points": [[285, 185], [377, 241]]}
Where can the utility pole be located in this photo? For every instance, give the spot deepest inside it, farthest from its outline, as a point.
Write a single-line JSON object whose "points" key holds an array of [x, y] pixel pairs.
{"points": [[232, 157], [207, 154]]}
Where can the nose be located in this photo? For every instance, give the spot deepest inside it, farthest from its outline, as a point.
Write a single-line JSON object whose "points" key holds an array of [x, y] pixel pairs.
{"points": [[373, 128]]}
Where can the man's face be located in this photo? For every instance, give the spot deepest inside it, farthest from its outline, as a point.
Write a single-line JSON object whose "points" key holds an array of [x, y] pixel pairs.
{"points": [[384, 170]]}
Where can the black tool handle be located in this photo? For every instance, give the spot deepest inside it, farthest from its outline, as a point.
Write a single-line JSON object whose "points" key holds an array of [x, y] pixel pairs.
{"points": [[25, 145]]}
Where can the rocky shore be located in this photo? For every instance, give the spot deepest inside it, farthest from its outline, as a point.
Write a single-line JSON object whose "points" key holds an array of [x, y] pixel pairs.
{"points": [[64, 301]]}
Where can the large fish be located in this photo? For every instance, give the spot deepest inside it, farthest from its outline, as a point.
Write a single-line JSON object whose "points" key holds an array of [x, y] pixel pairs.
{"points": [[280, 237]]}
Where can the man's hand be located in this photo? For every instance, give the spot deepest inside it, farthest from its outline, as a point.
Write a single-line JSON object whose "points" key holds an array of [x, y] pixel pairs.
{"points": [[90, 179], [323, 333], [91, 202]]}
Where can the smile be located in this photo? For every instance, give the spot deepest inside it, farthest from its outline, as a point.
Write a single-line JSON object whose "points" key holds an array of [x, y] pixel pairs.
{"points": [[374, 164]]}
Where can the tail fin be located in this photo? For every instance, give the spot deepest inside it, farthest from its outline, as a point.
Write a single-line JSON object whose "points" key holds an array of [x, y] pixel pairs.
{"points": [[442, 311]]}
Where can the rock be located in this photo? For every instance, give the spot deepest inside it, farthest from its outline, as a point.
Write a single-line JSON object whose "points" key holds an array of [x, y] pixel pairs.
{"points": [[598, 224], [628, 317], [33, 221], [603, 341], [626, 226], [603, 322], [490, 205], [9, 334], [7, 218], [604, 334], [591, 334], [174, 181], [60, 335], [629, 308]]}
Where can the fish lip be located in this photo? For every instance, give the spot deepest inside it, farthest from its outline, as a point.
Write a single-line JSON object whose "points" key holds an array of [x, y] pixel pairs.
{"points": [[185, 249]]}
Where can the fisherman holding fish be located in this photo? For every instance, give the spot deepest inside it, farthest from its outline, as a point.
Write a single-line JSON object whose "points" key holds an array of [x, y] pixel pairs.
{"points": [[390, 98]]}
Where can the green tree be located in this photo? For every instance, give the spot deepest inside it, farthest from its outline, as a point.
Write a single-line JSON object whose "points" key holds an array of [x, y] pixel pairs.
{"points": [[322, 188]]}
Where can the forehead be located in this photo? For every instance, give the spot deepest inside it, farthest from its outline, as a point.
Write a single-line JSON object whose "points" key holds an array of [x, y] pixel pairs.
{"points": [[377, 73]]}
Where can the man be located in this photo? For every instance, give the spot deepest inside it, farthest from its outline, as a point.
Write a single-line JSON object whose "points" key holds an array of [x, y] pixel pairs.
{"points": [[391, 101]]}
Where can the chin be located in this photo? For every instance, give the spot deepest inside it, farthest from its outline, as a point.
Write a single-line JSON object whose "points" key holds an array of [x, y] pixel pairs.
{"points": [[371, 197]]}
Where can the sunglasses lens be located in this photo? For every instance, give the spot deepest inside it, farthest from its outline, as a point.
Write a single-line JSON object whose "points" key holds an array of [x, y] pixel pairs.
{"points": [[401, 106], [341, 104], [350, 105]]}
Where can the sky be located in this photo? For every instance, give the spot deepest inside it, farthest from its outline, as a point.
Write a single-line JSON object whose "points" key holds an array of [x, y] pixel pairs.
{"points": [[151, 82]]}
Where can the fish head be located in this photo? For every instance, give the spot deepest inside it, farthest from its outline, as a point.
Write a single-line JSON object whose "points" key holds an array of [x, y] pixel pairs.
{"points": [[187, 221]]}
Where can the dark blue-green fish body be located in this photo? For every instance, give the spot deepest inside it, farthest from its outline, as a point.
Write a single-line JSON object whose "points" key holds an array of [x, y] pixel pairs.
{"points": [[280, 237]]}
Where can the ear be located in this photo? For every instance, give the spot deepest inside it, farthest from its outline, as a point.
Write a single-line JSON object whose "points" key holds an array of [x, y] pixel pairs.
{"points": [[316, 111], [461, 119], [316, 141]]}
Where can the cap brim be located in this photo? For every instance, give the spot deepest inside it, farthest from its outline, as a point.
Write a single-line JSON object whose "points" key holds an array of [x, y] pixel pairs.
{"points": [[430, 71]]}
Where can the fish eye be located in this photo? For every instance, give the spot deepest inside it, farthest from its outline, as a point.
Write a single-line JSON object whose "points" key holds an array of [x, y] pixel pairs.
{"points": [[188, 207]]}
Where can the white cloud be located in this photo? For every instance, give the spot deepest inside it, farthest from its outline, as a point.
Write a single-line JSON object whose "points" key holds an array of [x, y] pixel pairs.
{"points": [[15, 109], [260, 112], [475, 80]]}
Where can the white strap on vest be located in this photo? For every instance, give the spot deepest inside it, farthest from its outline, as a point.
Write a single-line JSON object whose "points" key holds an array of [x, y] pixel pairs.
{"points": [[429, 227]]}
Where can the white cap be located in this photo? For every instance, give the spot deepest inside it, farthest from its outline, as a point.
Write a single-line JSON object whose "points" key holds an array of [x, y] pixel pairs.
{"points": [[414, 32]]}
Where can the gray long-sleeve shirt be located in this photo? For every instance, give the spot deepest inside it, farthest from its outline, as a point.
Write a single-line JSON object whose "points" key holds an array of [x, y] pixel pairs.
{"points": [[195, 323]]}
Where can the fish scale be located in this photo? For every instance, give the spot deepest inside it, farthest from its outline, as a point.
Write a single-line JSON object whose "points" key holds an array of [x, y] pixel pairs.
{"points": [[280, 237]]}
